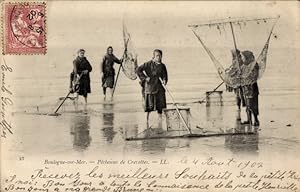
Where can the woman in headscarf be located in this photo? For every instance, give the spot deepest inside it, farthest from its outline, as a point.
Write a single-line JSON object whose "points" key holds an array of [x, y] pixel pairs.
{"points": [[250, 90], [151, 73], [233, 72], [108, 71], [81, 70]]}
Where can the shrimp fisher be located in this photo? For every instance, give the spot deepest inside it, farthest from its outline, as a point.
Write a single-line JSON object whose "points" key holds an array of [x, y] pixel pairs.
{"points": [[234, 76]]}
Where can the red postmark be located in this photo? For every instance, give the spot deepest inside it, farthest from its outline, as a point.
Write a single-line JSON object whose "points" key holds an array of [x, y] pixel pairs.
{"points": [[24, 28]]}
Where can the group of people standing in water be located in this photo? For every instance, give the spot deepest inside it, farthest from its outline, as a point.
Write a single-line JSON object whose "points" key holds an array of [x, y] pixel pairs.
{"points": [[246, 95], [153, 75], [80, 79]]}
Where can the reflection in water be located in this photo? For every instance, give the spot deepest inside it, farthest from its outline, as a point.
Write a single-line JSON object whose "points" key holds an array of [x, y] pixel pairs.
{"points": [[154, 145], [80, 125], [131, 130], [242, 143], [214, 114], [214, 98], [147, 143], [108, 122], [160, 145], [179, 143]]}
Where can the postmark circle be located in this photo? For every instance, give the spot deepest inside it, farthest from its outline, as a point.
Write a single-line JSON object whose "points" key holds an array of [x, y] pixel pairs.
{"points": [[27, 25]]}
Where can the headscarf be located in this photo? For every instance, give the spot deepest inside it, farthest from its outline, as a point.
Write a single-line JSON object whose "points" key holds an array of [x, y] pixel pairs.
{"points": [[109, 47], [248, 56], [80, 50], [158, 51]]}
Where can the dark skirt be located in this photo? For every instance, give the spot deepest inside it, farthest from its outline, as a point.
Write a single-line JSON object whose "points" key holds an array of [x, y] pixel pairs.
{"points": [[84, 86], [155, 102], [252, 104], [108, 81]]}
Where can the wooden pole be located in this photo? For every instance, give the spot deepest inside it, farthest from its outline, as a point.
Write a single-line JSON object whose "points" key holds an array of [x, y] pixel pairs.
{"points": [[234, 42], [125, 52], [211, 92], [189, 136], [112, 95], [58, 107]]}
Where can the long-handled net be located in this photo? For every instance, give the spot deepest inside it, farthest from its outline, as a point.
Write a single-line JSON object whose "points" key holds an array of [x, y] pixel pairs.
{"points": [[129, 64], [249, 34]]}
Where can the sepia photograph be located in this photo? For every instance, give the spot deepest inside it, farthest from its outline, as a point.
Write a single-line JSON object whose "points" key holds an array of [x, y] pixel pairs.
{"points": [[152, 96]]}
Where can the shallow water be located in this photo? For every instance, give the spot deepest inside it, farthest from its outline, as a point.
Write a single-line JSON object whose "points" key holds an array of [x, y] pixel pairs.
{"points": [[103, 128]]}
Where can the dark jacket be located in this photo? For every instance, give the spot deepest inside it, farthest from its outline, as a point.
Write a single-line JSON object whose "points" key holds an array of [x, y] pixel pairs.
{"points": [[108, 63], [250, 91], [154, 71], [81, 64]]}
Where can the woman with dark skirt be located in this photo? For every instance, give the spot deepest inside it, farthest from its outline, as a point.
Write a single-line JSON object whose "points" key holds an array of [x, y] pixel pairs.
{"points": [[81, 70], [108, 71], [153, 91], [251, 91]]}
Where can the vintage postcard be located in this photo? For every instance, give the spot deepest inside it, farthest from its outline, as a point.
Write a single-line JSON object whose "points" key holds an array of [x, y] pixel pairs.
{"points": [[150, 96]]}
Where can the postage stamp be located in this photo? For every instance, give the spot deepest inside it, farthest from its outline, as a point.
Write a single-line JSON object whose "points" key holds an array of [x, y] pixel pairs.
{"points": [[24, 28]]}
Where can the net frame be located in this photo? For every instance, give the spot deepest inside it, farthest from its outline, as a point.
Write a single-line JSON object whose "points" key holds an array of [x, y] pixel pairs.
{"points": [[129, 63], [249, 74]]}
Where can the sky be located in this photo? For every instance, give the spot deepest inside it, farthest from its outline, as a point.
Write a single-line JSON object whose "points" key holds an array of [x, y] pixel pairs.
{"points": [[94, 25], [154, 23]]}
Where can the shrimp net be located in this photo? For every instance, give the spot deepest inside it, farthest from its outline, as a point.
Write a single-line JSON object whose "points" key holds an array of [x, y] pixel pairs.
{"points": [[129, 64], [218, 37]]}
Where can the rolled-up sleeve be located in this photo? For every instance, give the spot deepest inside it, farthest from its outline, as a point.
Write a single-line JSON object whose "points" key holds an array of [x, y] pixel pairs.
{"points": [[116, 60]]}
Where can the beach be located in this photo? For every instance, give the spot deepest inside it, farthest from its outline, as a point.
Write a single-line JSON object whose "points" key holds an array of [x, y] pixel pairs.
{"points": [[104, 127]]}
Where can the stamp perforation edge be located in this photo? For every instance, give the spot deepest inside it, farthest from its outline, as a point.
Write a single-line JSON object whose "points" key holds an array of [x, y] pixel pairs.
{"points": [[3, 27]]}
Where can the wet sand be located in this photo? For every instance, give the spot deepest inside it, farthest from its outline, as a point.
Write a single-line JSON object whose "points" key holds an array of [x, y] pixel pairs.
{"points": [[102, 131]]}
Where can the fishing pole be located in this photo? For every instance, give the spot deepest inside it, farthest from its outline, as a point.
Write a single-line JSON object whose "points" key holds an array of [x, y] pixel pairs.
{"points": [[58, 107], [201, 101], [176, 107], [113, 91], [232, 20], [125, 52]]}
